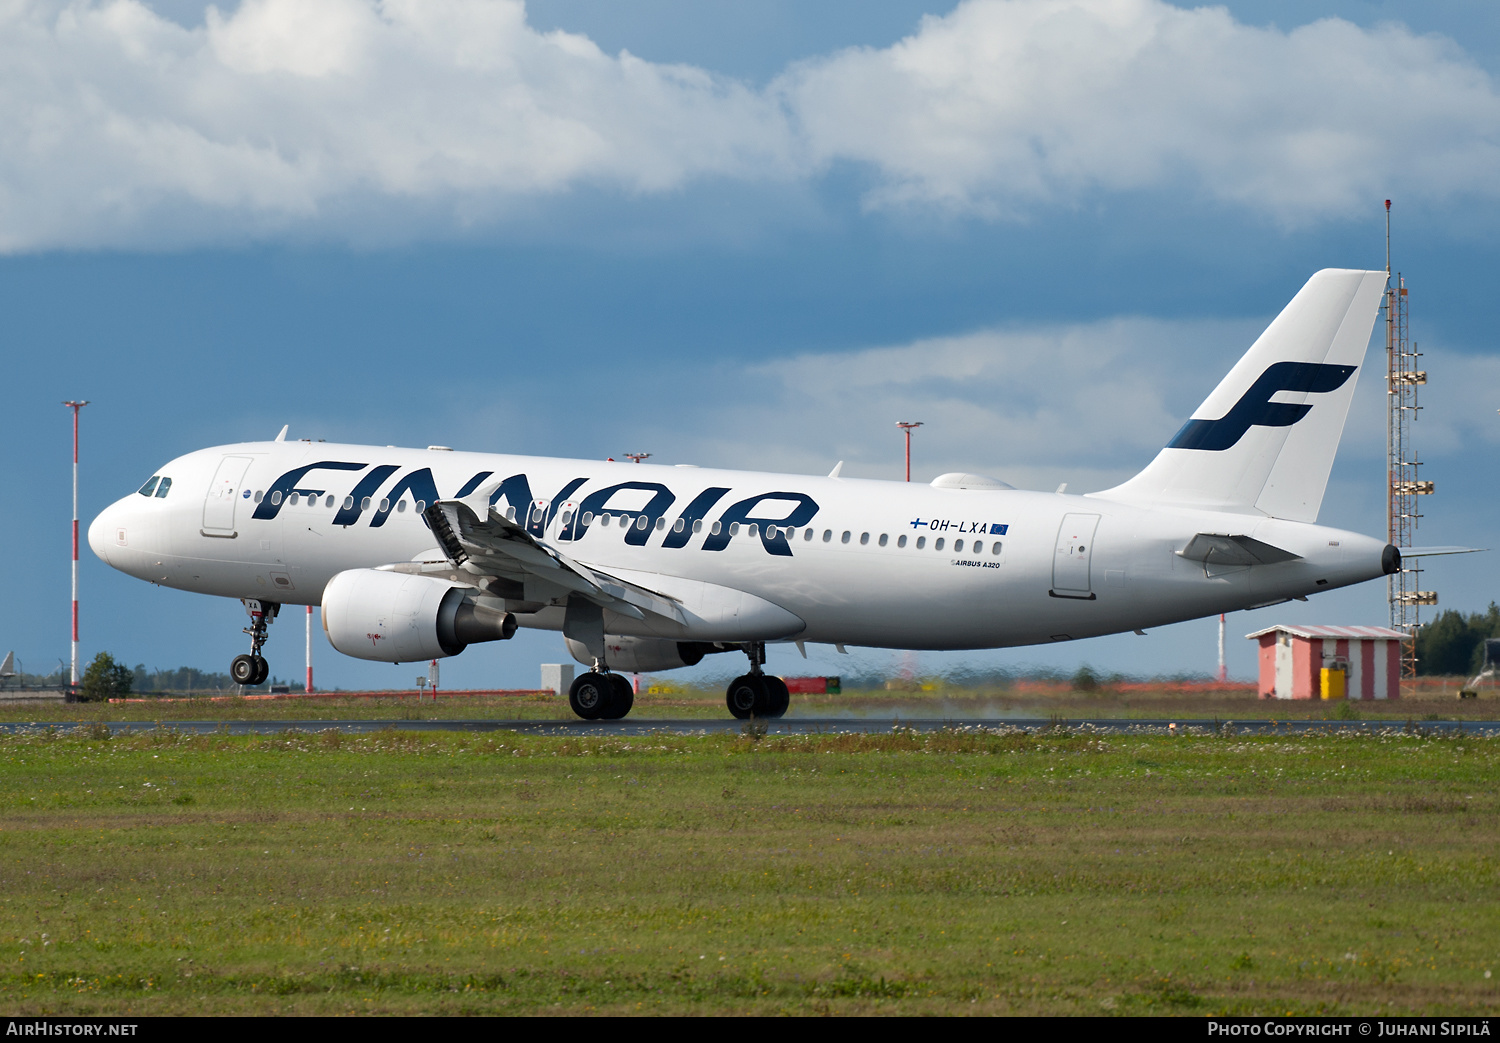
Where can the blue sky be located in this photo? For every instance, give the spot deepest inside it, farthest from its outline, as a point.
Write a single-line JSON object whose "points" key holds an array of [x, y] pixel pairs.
{"points": [[729, 234]]}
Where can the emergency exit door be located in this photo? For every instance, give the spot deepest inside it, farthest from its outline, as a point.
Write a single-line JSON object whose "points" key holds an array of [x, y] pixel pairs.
{"points": [[1070, 564]]}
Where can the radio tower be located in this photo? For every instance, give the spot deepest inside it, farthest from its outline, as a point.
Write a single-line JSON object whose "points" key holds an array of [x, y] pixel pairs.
{"points": [[1402, 380]]}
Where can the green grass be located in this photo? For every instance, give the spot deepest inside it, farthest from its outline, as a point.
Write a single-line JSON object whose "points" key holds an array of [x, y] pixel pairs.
{"points": [[899, 873]]}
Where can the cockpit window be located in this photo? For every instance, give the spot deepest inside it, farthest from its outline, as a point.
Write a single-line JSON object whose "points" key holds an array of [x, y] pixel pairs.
{"points": [[163, 488], [150, 487]]}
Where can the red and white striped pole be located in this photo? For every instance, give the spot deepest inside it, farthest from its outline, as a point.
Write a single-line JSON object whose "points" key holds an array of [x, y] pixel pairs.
{"points": [[309, 689], [75, 407]]}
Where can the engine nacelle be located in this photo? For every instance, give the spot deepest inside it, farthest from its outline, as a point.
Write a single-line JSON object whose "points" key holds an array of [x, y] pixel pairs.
{"points": [[394, 617], [644, 655]]}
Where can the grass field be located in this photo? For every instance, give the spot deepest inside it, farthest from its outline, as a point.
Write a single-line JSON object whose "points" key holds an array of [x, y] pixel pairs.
{"points": [[940, 873]]}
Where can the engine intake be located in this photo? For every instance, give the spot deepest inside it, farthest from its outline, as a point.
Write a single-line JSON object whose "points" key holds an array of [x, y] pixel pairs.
{"points": [[393, 617]]}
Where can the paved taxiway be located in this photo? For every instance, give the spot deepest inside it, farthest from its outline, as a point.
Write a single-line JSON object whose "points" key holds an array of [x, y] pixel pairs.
{"points": [[782, 726]]}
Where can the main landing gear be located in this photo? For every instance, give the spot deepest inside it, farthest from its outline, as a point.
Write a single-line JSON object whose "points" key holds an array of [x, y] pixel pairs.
{"points": [[757, 694], [251, 670], [601, 696]]}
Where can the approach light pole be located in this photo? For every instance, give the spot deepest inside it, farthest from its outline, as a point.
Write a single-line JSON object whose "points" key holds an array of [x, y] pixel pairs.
{"points": [[906, 426], [637, 457], [1223, 670], [75, 407], [307, 688]]}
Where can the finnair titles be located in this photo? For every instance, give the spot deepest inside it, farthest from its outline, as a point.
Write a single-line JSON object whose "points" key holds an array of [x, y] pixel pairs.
{"points": [[415, 554]]}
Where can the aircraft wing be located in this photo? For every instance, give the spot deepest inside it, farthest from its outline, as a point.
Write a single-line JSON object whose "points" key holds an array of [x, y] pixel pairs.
{"points": [[1215, 549], [497, 546]]}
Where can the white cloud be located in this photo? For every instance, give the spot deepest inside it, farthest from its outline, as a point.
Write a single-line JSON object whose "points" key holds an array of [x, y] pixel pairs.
{"points": [[345, 119], [1002, 105]]}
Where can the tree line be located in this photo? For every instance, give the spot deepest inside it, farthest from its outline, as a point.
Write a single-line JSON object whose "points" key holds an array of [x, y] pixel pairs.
{"points": [[105, 679], [1453, 643]]}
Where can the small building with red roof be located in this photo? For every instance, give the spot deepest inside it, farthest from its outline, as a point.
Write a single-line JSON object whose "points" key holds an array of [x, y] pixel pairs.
{"points": [[1329, 662]]}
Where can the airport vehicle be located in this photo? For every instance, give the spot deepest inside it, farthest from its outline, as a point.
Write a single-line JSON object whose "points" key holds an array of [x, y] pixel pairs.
{"points": [[415, 554]]}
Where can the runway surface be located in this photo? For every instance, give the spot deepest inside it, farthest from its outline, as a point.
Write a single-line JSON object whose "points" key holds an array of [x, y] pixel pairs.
{"points": [[783, 726]]}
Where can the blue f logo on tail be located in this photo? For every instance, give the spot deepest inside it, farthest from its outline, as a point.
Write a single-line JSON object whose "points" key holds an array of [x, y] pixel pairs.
{"points": [[1256, 408]]}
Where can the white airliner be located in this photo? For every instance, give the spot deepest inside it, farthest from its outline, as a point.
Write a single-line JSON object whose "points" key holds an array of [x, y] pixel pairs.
{"points": [[415, 554]]}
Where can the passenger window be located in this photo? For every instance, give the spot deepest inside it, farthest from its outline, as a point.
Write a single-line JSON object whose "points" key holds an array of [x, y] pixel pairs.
{"points": [[938, 544], [258, 495], [510, 513], [884, 539], [753, 531], [364, 504], [958, 545], [348, 501], [901, 541], [275, 497], [698, 525], [401, 506], [421, 504], [996, 548], [292, 500], [827, 535], [588, 517], [163, 488], [864, 538], [661, 523], [978, 547], [679, 525], [717, 528], [921, 542], [789, 532], [605, 520], [845, 537], [385, 504], [734, 528], [807, 534], [150, 486], [642, 522]]}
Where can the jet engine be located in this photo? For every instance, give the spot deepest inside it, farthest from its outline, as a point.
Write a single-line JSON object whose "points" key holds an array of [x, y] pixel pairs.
{"points": [[644, 655], [394, 617]]}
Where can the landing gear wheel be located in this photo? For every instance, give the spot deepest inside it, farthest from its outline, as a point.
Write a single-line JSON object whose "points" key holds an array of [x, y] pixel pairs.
{"points": [[778, 697], [747, 696], [591, 695], [262, 670], [623, 700], [244, 669]]}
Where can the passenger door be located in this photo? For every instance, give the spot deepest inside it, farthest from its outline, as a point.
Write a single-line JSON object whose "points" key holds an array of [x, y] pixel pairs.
{"points": [[223, 493]]}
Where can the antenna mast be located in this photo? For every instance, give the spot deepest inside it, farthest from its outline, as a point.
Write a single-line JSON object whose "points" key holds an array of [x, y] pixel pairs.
{"points": [[1402, 380]]}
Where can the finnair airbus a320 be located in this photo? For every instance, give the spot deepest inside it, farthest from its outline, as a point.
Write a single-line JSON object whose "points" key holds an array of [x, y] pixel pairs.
{"points": [[417, 553]]}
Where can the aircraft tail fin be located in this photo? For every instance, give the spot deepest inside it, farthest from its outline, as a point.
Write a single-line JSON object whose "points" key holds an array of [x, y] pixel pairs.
{"points": [[1264, 440]]}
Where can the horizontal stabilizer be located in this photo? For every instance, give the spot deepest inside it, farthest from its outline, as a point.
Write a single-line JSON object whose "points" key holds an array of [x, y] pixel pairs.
{"points": [[1433, 552], [1213, 549]]}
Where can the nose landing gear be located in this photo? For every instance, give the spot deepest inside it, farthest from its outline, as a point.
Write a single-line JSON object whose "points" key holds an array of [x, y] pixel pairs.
{"points": [[252, 669], [757, 694]]}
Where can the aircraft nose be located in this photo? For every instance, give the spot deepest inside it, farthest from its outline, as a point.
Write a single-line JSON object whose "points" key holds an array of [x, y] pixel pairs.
{"points": [[102, 532]]}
